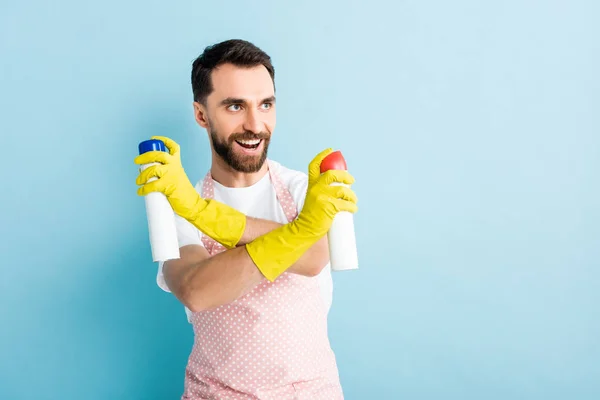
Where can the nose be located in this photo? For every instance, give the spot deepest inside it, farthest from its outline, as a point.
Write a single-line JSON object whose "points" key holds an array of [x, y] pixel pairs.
{"points": [[253, 122]]}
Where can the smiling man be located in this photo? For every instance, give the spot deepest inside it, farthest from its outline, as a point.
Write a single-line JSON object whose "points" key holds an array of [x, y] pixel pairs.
{"points": [[254, 272]]}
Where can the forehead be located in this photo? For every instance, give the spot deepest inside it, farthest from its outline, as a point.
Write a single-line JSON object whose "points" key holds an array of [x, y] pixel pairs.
{"points": [[249, 83]]}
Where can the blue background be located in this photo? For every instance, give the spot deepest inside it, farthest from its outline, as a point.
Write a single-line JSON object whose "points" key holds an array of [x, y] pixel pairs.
{"points": [[472, 129]]}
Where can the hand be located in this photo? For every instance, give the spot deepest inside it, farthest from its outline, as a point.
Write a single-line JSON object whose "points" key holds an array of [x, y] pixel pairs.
{"points": [[324, 201], [274, 252], [173, 181], [217, 220]]}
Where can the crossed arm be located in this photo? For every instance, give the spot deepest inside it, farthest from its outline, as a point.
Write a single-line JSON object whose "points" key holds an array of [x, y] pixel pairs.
{"points": [[202, 282]]}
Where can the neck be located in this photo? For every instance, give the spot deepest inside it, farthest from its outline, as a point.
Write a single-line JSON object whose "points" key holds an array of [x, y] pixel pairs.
{"points": [[229, 177]]}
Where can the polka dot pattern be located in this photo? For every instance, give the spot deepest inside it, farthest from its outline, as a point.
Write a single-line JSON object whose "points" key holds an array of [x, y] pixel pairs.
{"points": [[271, 343]]}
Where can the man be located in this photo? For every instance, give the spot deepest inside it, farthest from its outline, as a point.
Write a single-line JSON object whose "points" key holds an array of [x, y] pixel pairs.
{"points": [[254, 272]]}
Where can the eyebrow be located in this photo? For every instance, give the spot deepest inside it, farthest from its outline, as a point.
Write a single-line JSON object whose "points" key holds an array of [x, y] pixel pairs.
{"points": [[233, 100]]}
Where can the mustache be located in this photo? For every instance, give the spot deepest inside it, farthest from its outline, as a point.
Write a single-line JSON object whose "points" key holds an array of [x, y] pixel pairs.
{"points": [[250, 136]]}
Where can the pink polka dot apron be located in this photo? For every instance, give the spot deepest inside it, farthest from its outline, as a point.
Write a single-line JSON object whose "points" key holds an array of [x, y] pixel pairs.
{"points": [[270, 343]]}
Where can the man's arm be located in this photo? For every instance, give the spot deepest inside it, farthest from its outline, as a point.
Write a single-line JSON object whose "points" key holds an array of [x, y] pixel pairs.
{"points": [[310, 264], [202, 282]]}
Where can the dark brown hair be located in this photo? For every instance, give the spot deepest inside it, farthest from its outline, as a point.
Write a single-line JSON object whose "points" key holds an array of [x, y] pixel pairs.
{"points": [[235, 51]]}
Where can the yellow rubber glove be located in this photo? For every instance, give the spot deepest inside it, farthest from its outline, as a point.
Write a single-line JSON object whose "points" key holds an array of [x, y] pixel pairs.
{"points": [[276, 251], [219, 221]]}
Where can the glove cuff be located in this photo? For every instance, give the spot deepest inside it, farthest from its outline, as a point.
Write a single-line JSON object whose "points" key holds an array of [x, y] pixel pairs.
{"points": [[276, 251], [219, 221]]}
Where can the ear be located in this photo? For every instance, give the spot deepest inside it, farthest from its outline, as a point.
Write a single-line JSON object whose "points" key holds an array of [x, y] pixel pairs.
{"points": [[200, 115]]}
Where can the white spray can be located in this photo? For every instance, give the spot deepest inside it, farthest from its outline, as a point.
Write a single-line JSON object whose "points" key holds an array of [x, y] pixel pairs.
{"points": [[160, 214], [342, 239]]}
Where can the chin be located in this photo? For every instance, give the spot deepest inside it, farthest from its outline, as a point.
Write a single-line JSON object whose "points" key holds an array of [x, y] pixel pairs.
{"points": [[246, 163]]}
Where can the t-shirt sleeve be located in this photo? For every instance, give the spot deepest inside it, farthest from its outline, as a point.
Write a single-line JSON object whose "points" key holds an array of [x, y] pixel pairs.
{"points": [[186, 234]]}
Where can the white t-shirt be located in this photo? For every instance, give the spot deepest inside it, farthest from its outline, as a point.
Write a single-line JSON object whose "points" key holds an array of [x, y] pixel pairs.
{"points": [[257, 201]]}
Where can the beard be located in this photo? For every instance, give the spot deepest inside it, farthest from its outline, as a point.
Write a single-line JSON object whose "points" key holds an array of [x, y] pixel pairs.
{"points": [[240, 162]]}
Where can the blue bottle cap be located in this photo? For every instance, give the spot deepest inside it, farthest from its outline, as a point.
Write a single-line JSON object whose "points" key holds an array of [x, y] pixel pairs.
{"points": [[152, 145]]}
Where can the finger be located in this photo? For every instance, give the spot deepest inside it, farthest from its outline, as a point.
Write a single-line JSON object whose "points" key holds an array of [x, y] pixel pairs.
{"points": [[339, 176], [153, 156], [150, 172], [344, 205], [170, 143], [154, 186], [314, 168], [344, 193]]}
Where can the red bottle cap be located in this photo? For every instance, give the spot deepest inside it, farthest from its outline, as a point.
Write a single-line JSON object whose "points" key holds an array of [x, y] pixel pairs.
{"points": [[335, 161]]}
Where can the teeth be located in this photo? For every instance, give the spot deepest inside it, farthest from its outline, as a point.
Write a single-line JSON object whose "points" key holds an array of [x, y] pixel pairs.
{"points": [[250, 142]]}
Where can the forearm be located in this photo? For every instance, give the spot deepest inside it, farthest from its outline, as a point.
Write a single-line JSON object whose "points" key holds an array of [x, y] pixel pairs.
{"points": [[203, 282], [311, 262], [220, 279], [256, 227], [229, 275]]}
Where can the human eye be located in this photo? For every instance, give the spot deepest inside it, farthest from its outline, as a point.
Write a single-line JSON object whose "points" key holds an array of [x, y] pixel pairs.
{"points": [[267, 105], [234, 107]]}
